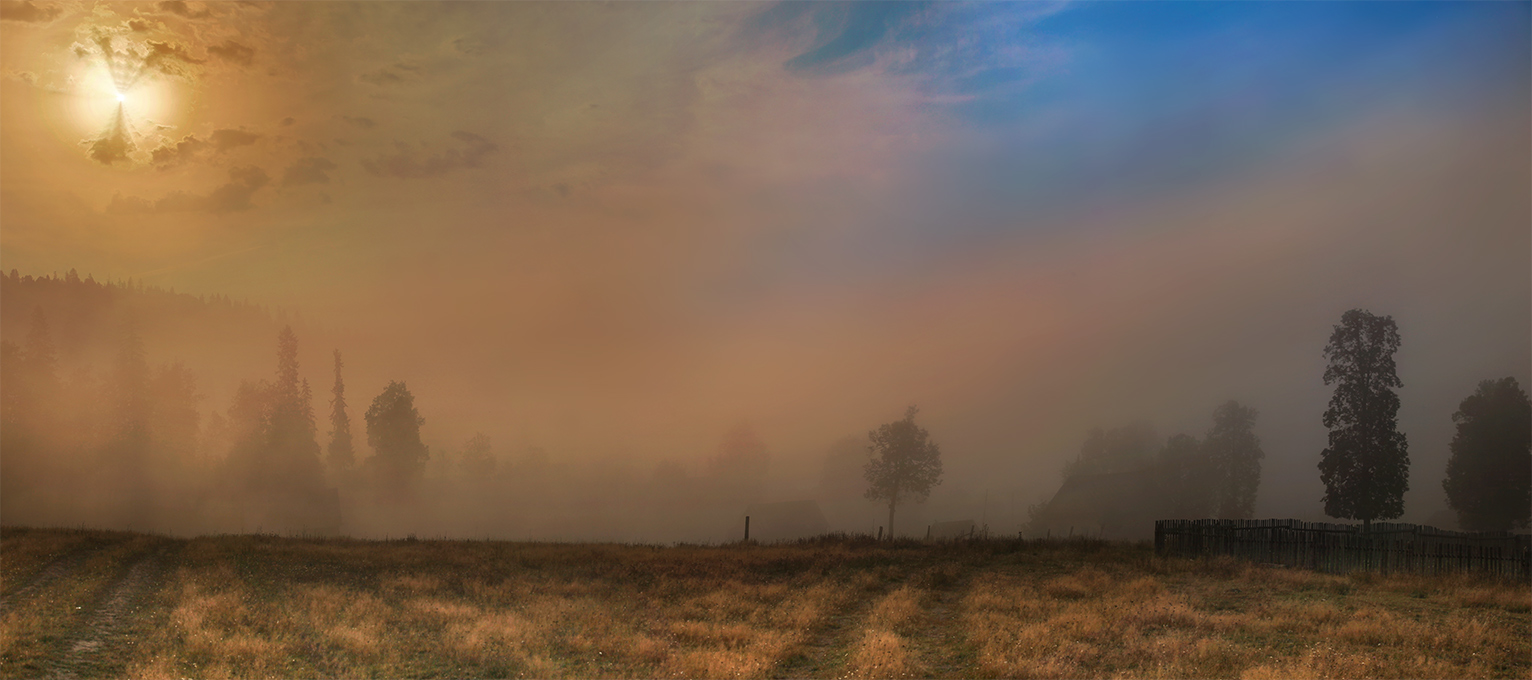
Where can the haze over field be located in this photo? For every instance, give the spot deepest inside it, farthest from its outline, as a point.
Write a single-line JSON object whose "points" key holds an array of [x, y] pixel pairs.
{"points": [[607, 235]]}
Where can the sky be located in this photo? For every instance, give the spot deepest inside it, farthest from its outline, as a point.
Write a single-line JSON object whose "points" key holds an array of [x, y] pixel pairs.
{"points": [[620, 229]]}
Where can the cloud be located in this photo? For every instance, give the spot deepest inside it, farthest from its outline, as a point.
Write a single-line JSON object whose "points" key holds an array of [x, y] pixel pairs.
{"points": [[181, 9], [361, 122], [224, 140], [233, 52], [231, 197], [288, 121], [139, 25], [191, 147], [171, 155], [393, 74], [414, 163], [28, 11], [311, 170], [167, 57], [114, 145]]}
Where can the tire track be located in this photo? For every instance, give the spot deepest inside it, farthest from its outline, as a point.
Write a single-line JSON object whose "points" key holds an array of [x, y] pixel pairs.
{"points": [[100, 636], [57, 568], [939, 642], [831, 641]]}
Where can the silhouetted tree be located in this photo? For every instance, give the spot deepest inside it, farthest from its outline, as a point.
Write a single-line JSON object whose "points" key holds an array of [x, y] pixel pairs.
{"points": [[293, 437], [126, 459], [393, 431], [905, 464], [1234, 454], [841, 476], [1120, 449], [738, 471], [1366, 467], [478, 459], [341, 454], [1489, 476], [1190, 477]]}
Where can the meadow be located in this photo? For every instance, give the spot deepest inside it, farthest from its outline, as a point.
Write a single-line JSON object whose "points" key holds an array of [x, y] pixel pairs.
{"points": [[117, 604]]}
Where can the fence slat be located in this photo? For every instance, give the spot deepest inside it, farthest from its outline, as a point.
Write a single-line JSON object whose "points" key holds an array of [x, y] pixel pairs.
{"points": [[1341, 548]]}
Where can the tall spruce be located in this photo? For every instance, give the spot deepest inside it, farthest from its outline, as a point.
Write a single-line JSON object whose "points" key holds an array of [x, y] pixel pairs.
{"points": [[1234, 453], [293, 443], [341, 455], [1489, 476], [1366, 467]]}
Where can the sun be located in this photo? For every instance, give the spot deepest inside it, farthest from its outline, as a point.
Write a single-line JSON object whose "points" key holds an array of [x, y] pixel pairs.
{"points": [[98, 99]]}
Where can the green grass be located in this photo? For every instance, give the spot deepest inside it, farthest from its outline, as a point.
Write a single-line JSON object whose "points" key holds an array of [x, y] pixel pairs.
{"points": [[260, 606]]}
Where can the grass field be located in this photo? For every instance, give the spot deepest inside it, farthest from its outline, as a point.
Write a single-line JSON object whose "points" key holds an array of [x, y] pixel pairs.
{"points": [[108, 604]]}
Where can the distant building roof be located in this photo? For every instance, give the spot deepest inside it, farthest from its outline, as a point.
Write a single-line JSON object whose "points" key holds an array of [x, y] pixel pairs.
{"points": [[1110, 505]]}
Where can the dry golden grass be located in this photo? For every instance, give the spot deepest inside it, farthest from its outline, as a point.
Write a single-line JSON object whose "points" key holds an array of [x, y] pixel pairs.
{"points": [[243, 607]]}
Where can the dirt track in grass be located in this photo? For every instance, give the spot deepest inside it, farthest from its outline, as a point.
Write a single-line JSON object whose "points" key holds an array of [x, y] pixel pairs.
{"points": [[261, 606]]}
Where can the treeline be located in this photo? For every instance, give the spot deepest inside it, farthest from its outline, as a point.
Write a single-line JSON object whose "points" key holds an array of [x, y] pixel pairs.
{"points": [[1125, 477], [132, 445]]}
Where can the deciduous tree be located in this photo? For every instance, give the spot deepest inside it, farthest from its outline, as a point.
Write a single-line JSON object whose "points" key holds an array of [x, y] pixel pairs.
{"points": [[1234, 455], [905, 464], [1489, 476]]}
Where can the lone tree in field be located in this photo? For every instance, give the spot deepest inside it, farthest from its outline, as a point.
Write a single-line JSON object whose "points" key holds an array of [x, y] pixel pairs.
{"points": [[1489, 477], [1366, 466], [393, 431], [340, 453], [905, 464], [1234, 453]]}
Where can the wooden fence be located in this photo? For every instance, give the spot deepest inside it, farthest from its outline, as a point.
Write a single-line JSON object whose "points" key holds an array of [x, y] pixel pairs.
{"points": [[1343, 548]]}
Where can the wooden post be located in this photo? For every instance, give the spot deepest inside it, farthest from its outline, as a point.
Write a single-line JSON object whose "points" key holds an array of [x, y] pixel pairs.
{"points": [[747, 528], [880, 533]]}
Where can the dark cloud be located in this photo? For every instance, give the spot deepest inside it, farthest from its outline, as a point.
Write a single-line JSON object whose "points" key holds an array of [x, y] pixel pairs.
{"points": [[168, 58], [139, 25], [233, 52], [393, 74], [361, 122], [191, 147], [231, 197], [223, 140], [114, 145], [468, 46], [28, 11], [312, 170], [171, 155], [412, 163], [181, 9], [288, 121]]}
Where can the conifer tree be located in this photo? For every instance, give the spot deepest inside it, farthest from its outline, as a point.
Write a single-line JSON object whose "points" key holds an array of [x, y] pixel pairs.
{"points": [[341, 454], [1366, 467]]}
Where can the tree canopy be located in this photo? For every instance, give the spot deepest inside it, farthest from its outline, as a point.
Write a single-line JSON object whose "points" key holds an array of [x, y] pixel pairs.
{"points": [[1365, 468], [393, 432], [1234, 455], [1489, 476], [905, 464]]}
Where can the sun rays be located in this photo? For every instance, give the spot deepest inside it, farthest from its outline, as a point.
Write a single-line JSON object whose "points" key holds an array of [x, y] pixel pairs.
{"points": [[125, 90]]}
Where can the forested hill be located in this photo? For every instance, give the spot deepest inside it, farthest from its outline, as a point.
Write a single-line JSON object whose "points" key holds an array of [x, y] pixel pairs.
{"points": [[219, 339]]}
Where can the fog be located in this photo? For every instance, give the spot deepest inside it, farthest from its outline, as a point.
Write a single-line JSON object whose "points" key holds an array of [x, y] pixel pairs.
{"points": [[689, 271]]}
